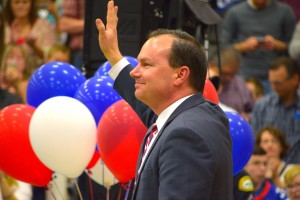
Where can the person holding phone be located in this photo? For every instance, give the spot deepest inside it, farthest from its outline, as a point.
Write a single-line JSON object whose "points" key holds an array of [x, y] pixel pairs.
{"points": [[261, 31]]}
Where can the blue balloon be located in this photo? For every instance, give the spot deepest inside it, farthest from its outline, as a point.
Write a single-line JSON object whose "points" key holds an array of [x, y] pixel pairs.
{"points": [[242, 141], [105, 67], [97, 94], [53, 79]]}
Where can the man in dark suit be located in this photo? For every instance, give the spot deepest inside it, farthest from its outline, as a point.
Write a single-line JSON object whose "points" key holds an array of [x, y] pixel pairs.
{"points": [[189, 156]]}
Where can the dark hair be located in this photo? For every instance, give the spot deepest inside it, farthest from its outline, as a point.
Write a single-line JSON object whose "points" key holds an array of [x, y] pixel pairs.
{"points": [[186, 51], [9, 13], [258, 151], [278, 134], [288, 63]]}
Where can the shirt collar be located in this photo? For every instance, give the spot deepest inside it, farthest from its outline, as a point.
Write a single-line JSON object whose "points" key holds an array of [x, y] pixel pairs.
{"points": [[165, 114]]}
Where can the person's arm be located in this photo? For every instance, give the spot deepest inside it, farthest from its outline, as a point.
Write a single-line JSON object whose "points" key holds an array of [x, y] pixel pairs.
{"points": [[108, 36], [108, 42], [70, 25]]}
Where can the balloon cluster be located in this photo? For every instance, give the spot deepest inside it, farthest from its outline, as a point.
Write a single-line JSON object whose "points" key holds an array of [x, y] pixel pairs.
{"points": [[56, 131], [69, 123]]}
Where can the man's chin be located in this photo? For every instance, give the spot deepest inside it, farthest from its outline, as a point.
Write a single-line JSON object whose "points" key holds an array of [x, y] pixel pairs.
{"points": [[138, 95], [141, 97]]}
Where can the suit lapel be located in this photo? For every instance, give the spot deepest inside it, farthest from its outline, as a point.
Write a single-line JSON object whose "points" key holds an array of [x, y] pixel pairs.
{"points": [[190, 102]]}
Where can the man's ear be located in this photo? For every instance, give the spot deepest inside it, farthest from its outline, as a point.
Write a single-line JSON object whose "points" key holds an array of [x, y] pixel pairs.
{"points": [[182, 74]]}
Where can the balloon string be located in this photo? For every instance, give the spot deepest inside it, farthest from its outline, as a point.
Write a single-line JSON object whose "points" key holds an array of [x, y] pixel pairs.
{"points": [[78, 190], [49, 187], [55, 184], [90, 183]]}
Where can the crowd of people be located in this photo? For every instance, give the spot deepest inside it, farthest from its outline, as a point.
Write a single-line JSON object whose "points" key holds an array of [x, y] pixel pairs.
{"points": [[258, 68]]}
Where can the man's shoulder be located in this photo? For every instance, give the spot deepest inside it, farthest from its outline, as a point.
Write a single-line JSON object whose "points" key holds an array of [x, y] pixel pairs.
{"points": [[267, 99]]}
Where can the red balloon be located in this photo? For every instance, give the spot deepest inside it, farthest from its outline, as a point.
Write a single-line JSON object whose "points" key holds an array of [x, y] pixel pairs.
{"points": [[94, 160], [120, 134], [17, 157], [210, 92]]}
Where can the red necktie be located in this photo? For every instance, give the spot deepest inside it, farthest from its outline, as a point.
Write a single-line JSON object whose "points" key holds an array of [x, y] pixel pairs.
{"points": [[150, 137]]}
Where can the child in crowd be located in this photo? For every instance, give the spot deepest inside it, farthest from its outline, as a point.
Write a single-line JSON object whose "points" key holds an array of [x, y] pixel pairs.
{"points": [[15, 70]]}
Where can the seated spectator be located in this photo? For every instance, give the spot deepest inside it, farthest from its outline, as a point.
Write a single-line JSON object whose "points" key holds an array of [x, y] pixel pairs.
{"points": [[280, 107], [292, 181], [255, 87], [242, 186], [256, 168], [16, 70], [273, 141], [58, 52], [233, 91]]}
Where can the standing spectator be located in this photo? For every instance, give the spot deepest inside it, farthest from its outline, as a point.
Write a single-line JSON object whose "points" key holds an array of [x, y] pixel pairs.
{"points": [[263, 188], [273, 141], [25, 28], [261, 31], [279, 108], [72, 22], [294, 48]]}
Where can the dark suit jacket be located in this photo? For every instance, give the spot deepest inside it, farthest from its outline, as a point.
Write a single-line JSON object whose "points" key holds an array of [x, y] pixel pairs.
{"points": [[191, 156]]}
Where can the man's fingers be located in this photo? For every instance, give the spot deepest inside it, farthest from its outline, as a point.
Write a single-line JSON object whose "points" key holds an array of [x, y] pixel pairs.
{"points": [[100, 25], [111, 17]]}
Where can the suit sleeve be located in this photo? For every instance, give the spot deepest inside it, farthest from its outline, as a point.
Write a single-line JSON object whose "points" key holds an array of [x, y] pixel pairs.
{"points": [[124, 85]]}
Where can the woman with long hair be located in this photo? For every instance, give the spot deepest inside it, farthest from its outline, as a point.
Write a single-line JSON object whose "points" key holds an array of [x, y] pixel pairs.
{"points": [[26, 28]]}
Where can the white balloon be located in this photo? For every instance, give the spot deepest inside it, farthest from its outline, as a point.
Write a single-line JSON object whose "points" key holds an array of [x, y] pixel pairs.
{"points": [[63, 135]]}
